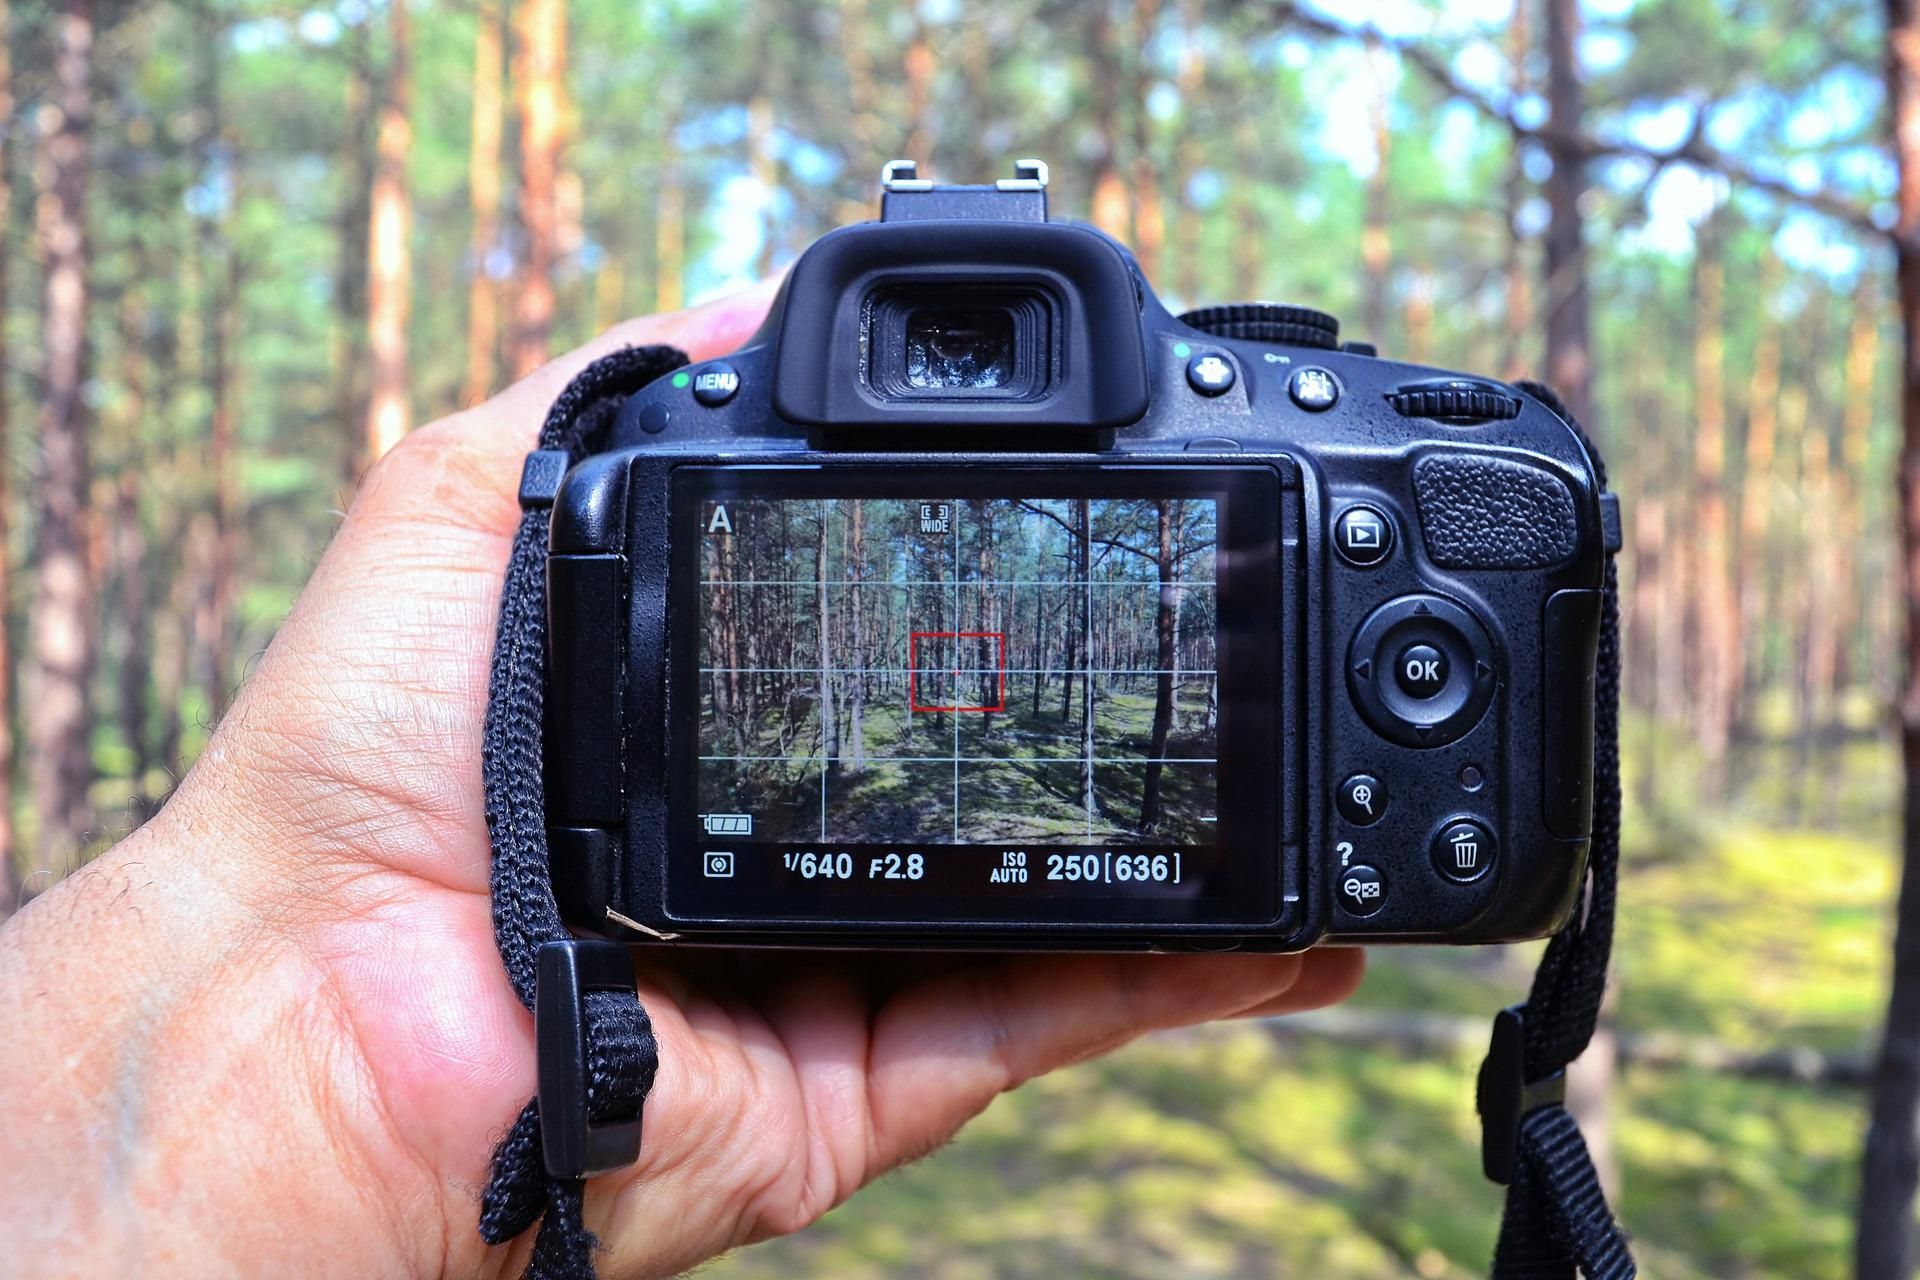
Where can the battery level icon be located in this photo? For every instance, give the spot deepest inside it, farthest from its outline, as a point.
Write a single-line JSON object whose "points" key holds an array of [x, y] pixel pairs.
{"points": [[727, 824]]}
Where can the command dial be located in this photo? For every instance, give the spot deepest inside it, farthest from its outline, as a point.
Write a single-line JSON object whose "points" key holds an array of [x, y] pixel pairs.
{"points": [[1275, 322]]}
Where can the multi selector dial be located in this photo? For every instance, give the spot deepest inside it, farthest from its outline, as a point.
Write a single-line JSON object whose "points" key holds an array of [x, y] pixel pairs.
{"points": [[1276, 322]]}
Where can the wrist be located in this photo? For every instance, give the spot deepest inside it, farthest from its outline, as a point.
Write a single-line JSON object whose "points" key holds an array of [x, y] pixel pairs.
{"points": [[180, 1096]]}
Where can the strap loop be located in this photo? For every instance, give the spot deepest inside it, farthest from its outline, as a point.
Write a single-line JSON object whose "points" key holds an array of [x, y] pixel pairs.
{"points": [[1505, 1097], [597, 1053], [575, 1143]]}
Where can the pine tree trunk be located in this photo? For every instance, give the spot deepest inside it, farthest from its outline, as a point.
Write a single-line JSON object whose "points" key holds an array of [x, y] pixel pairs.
{"points": [[483, 197], [1891, 1162], [919, 67], [61, 622], [765, 168], [1109, 210], [1516, 363], [222, 587], [1756, 495], [390, 254], [1190, 80], [135, 619], [1569, 342], [669, 230], [351, 227], [1570, 370], [9, 866], [1149, 219], [1850, 473], [1375, 247], [540, 69], [1716, 677]]}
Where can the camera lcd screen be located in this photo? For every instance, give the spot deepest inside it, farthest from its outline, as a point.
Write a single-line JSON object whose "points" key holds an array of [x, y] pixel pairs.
{"points": [[971, 694]]}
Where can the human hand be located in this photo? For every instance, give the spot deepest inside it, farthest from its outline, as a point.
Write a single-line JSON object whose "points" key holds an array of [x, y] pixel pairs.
{"points": [[270, 1031]]}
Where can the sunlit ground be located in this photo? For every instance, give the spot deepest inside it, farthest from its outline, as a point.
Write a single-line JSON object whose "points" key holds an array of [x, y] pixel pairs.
{"points": [[1251, 1150]]}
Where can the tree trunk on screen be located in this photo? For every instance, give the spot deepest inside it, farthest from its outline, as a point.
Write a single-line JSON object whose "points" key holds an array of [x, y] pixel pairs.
{"points": [[857, 690], [1716, 630], [829, 708], [1168, 563], [483, 198], [349, 390], [389, 252], [9, 867], [1569, 344], [1083, 525], [540, 68], [61, 622], [1519, 302], [1072, 623], [1891, 1161]]}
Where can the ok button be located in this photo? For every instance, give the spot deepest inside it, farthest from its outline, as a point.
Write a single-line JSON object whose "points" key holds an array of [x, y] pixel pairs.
{"points": [[1420, 670]]}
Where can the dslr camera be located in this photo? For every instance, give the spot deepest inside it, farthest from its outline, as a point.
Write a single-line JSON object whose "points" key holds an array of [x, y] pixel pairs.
{"points": [[979, 601]]}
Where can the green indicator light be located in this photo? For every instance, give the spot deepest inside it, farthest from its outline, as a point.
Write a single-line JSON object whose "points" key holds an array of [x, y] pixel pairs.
{"points": [[1182, 350], [680, 380]]}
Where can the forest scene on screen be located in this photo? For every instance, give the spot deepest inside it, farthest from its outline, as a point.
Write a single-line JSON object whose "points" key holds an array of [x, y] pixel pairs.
{"points": [[960, 671]]}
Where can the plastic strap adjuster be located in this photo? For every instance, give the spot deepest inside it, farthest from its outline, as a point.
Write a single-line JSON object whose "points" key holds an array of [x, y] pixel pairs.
{"points": [[571, 1144], [1505, 1097], [540, 477]]}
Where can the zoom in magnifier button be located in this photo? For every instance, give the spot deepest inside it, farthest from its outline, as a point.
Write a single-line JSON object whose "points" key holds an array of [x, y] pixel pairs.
{"points": [[1362, 799]]}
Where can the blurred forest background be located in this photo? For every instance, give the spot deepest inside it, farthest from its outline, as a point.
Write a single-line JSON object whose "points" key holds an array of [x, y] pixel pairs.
{"points": [[249, 243]]}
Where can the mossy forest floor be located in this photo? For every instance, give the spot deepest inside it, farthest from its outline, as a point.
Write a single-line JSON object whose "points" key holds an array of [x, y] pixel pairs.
{"points": [[1233, 1151]]}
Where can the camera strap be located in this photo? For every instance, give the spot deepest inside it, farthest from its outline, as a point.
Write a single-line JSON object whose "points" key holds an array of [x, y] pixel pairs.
{"points": [[1557, 1219], [596, 1051]]}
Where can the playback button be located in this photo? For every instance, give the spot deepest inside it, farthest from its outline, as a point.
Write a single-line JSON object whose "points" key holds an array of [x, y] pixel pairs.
{"points": [[1363, 536]]}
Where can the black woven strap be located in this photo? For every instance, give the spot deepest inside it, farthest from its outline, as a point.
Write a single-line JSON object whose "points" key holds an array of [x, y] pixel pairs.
{"points": [[1557, 1220], [587, 1017]]}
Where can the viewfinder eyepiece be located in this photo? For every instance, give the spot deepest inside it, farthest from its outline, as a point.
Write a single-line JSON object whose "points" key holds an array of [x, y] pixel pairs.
{"points": [[968, 348]]}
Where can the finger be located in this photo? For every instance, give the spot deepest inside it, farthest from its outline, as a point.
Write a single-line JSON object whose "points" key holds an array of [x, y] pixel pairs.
{"points": [[1330, 975], [942, 1051]]}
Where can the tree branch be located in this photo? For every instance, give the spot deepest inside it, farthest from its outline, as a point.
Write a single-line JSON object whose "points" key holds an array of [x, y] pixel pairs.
{"points": [[1694, 150]]}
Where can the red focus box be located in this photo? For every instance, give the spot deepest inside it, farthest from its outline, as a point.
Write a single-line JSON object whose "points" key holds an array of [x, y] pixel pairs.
{"points": [[914, 638]]}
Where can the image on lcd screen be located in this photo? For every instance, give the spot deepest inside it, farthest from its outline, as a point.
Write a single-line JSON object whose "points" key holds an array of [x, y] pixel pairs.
{"points": [[959, 671]]}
